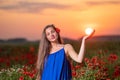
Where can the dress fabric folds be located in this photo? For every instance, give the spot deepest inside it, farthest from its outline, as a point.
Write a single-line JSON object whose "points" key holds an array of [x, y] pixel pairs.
{"points": [[57, 67]]}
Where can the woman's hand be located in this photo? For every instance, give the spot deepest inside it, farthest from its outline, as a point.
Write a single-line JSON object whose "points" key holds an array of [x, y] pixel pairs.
{"points": [[88, 36]]}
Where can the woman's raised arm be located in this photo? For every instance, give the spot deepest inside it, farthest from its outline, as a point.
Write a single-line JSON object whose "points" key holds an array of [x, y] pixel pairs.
{"points": [[72, 53]]}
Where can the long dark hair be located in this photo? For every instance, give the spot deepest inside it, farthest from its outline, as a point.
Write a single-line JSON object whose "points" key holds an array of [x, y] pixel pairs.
{"points": [[44, 50]]}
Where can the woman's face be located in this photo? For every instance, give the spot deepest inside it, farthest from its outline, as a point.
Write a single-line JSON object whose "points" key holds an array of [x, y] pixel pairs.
{"points": [[51, 34]]}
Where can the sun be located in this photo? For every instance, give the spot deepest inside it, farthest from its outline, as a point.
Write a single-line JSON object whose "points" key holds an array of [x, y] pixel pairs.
{"points": [[88, 31]]}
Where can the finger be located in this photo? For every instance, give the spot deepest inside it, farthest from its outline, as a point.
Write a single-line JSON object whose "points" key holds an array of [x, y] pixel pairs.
{"points": [[91, 34]]}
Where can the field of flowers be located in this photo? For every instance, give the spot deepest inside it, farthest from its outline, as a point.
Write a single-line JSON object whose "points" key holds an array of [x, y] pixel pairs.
{"points": [[101, 62]]}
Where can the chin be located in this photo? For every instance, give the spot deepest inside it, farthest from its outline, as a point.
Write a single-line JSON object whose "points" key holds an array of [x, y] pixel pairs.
{"points": [[53, 40]]}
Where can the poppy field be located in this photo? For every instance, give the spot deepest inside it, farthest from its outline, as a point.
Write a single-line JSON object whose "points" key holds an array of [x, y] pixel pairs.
{"points": [[101, 61]]}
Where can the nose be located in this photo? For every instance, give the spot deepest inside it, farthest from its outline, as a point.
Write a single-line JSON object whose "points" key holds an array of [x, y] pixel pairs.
{"points": [[51, 34]]}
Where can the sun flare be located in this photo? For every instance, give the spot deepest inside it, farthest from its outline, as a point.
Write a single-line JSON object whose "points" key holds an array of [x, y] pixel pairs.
{"points": [[88, 31]]}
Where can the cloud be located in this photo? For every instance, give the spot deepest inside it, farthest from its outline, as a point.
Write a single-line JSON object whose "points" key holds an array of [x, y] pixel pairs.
{"points": [[1, 1], [93, 3], [38, 7], [33, 7]]}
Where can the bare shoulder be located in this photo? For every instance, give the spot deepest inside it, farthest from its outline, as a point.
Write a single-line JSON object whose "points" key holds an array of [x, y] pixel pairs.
{"points": [[68, 47]]}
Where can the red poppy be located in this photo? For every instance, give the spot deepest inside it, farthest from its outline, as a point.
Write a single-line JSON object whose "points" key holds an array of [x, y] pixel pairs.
{"points": [[112, 58], [21, 78], [73, 73], [32, 49]]}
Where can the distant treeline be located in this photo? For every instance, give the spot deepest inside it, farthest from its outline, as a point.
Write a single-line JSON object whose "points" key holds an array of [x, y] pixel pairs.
{"points": [[107, 38], [14, 40], [66, 40]]}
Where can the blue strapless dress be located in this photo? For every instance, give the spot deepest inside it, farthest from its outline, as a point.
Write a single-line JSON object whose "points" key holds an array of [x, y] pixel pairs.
{"points": [[57, 67]]}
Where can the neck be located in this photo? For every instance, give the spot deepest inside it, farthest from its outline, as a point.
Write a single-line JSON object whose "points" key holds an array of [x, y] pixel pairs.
{"points": [[54, 44]]}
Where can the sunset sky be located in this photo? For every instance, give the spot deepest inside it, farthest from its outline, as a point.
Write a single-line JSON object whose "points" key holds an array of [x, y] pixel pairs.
{"points": [[27, 18]]}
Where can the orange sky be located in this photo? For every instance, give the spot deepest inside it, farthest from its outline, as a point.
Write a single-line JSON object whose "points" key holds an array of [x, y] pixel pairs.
{"points": [[26, 18]]}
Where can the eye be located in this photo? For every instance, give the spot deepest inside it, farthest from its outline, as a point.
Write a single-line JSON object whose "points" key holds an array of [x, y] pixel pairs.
{"points": [[52, 31]]}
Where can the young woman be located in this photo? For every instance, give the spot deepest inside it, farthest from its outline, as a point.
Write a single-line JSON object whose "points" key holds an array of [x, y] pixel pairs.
{"points": [[52, 62]]}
